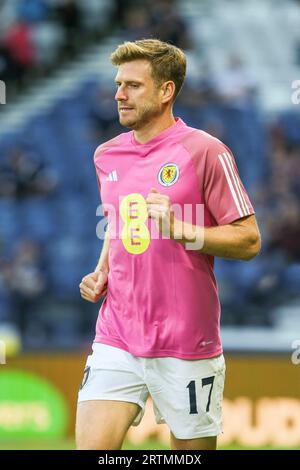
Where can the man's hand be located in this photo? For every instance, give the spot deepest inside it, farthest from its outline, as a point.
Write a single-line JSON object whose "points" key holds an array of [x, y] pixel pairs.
{"points": [[160, 209], [94, 286]]}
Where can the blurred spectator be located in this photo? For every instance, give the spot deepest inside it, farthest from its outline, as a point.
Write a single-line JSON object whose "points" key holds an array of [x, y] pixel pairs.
{"points": [[284, 229], [68, 15], [48, 38], [7, 71], [119, 12], [281, 198], [167, 24], [24, 174], [136, 24], [236, 86], [159, 19], [25, 280], [20, 49]]}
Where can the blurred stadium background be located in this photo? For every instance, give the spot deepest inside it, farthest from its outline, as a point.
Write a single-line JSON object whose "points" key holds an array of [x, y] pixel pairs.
{"points": [[244, 59]]}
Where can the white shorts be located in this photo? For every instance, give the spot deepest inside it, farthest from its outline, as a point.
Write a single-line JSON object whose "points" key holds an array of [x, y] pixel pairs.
{"points": [[186, 394]]}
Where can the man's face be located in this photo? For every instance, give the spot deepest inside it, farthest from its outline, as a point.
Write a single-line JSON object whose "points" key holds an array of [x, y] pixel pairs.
{"points": [[139, 99]]}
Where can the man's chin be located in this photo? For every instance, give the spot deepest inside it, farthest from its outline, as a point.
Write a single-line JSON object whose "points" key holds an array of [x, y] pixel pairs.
{"points": [[127, 123]]}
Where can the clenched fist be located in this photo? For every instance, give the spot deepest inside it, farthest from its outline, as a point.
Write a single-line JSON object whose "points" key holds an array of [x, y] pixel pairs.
{"points": [[94, 286], [159, 208]]}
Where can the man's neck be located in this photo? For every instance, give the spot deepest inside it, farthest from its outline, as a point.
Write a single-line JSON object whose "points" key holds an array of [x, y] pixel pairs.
{"points": [[153, 128]]}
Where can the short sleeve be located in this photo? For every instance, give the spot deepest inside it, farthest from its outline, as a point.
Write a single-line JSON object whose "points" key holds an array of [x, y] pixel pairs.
{"points": [[224, 194], [96, 156]]}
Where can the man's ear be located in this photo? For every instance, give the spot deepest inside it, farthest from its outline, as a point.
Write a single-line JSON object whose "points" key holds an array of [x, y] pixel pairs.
{"points": [[168, 90]]}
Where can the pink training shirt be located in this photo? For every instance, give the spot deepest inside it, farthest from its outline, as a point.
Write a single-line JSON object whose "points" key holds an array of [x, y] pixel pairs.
{"points": [[162, 299]]}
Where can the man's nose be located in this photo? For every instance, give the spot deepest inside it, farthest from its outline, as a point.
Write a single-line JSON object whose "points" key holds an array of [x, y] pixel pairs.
{"points": [[120, 95]]}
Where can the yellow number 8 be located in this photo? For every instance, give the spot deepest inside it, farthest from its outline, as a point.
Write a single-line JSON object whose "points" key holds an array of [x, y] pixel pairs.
{"points": [[135, 234]]}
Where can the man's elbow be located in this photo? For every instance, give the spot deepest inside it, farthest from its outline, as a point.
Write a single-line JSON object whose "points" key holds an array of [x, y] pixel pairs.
{"points": [[253, 246]]}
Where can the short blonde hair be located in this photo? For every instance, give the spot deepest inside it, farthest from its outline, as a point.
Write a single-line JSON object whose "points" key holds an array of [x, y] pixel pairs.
{"points": [[168, 62]]}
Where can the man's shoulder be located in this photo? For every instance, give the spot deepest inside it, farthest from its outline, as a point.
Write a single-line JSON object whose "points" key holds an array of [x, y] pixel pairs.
{"points": [[110, 144], [197, 140]]}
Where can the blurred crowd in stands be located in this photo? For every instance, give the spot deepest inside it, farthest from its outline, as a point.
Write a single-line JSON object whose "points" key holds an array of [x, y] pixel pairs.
{"points": [[24, 174], [37, 36], [48, 189]]}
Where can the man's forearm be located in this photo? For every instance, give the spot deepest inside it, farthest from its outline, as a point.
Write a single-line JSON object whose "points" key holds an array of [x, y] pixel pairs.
{"points": [[234, 241], [103, 264]]}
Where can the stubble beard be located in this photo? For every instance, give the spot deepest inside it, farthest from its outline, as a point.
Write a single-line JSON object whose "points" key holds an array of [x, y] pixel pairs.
{"points": [[143, 117]]}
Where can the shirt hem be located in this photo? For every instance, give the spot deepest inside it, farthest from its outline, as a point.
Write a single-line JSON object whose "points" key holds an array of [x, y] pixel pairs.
{"points": [[160, 353]]}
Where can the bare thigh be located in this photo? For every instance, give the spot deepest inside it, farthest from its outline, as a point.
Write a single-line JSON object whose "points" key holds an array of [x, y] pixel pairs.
{"points": [[200, 443], [103, 424]]}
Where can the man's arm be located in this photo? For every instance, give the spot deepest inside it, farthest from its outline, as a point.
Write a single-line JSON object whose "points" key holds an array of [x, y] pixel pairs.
{"points": [[102, 264], [94, 285], [238, 240]]}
